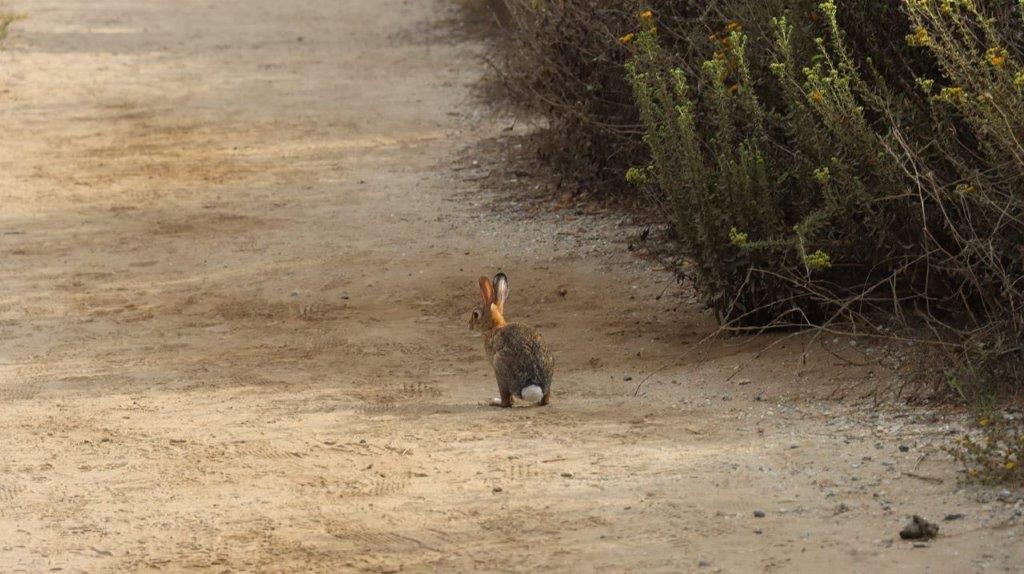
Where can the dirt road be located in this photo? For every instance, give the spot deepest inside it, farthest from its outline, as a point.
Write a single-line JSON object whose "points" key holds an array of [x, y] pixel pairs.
{"points": [[239, 245]]}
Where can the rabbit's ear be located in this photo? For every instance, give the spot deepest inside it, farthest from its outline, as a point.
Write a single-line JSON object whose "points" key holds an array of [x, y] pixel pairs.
{"points": [[486, 291], [500, 290]]}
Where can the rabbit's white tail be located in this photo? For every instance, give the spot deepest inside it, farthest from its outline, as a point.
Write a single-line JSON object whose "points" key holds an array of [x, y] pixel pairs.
{"points": [[532, 394]]}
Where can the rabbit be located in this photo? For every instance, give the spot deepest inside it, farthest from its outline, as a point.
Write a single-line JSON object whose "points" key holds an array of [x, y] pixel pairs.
{"points": [[522, 364]]}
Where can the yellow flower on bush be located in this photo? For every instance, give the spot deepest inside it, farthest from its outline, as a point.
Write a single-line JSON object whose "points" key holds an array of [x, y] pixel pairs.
{"points": [[646, 16], [951, 95], [737, 238], [1010, 465], [818, 260], [636, 176], [817, 96], [734, 27], [983, 422], [997, 57], [920, 37], [947, 7], [627, 39]]}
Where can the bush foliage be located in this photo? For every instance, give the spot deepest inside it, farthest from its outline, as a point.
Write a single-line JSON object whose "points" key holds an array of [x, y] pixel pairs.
{"points": [[994, 452], [820, 162]]}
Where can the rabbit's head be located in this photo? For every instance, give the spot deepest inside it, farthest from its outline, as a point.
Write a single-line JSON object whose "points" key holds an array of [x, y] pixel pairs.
{"points": [[490, 312]]}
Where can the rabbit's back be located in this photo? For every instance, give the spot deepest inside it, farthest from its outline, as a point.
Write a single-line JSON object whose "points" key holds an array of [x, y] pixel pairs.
{"points": [[520, 359]]}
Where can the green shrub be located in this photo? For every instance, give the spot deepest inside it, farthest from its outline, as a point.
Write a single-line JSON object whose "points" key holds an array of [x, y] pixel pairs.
{"points": [[562, 60], [994, 452], [719, 187]]}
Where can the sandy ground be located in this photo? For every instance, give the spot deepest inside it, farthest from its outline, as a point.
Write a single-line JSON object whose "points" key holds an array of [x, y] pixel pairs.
{"points": [[239, 245]]}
